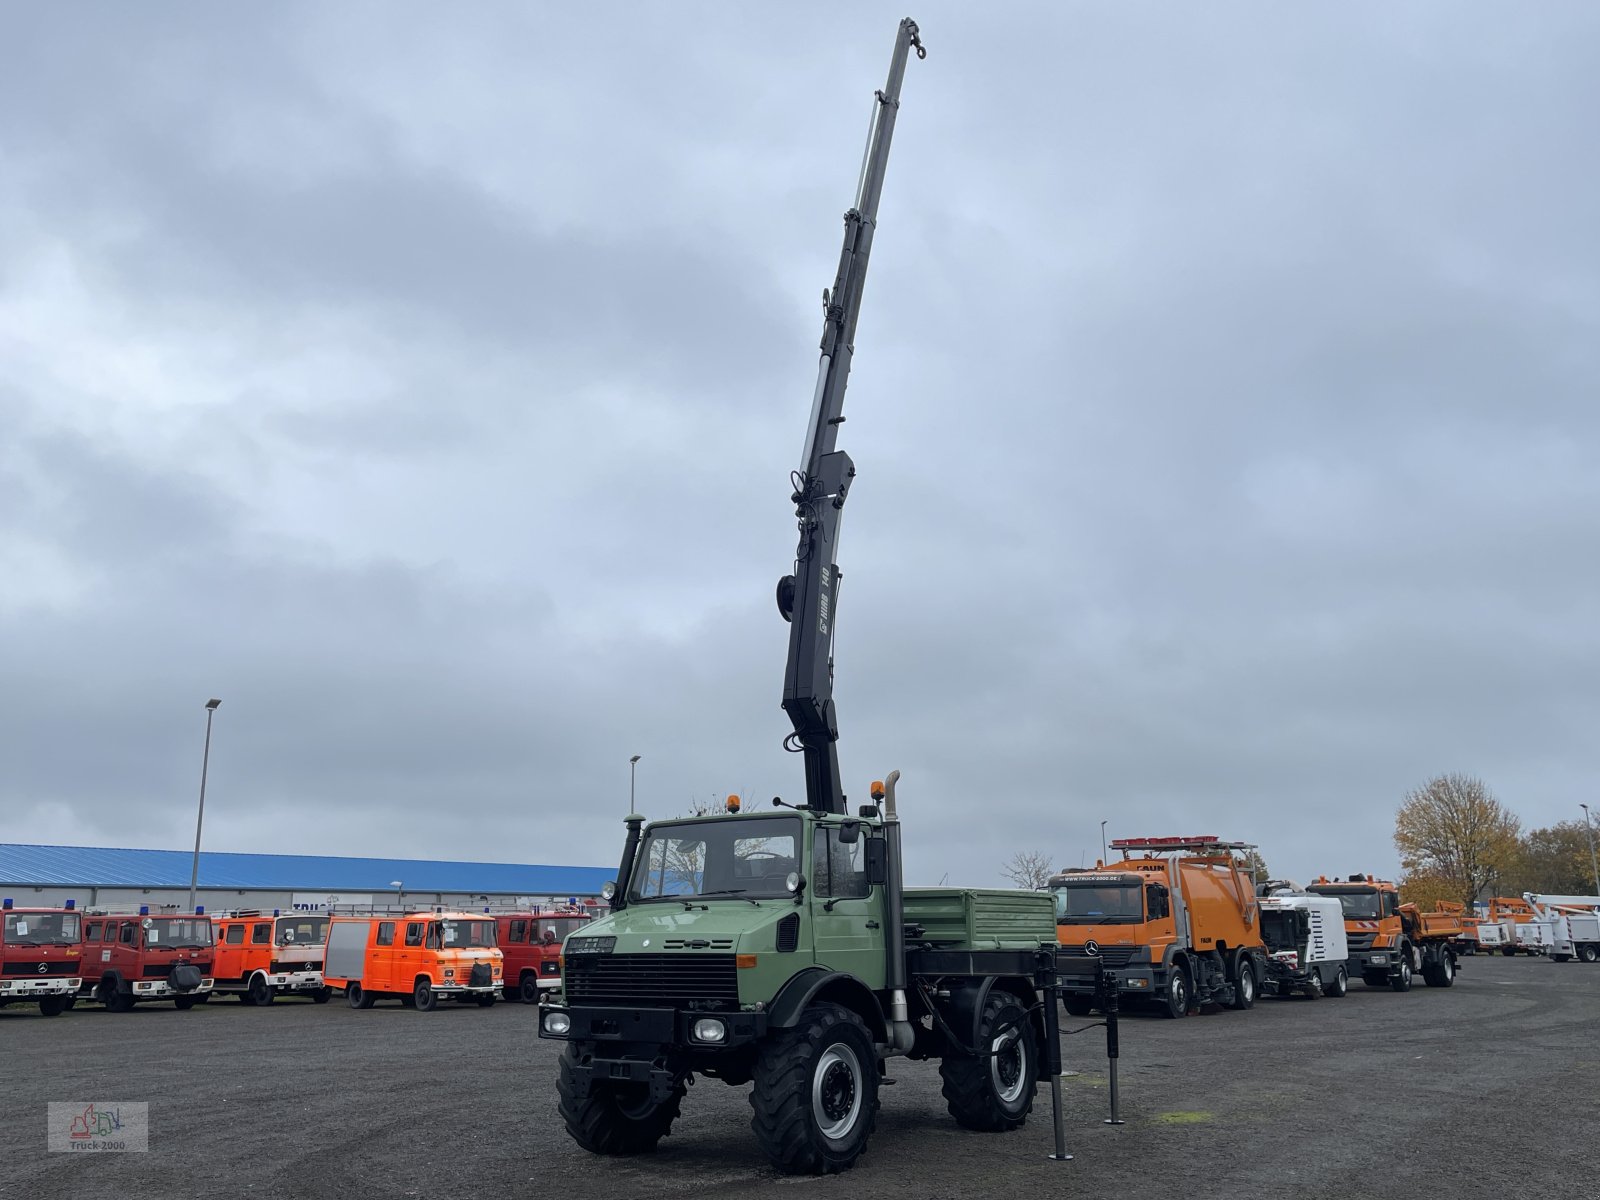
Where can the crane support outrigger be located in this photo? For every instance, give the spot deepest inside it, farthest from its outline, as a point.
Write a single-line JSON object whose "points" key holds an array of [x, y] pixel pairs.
{"points": [[823, 480]]}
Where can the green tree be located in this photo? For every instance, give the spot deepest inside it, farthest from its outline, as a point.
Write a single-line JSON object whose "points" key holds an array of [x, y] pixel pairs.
{"points": [[1453, 829], [1555, 860]]}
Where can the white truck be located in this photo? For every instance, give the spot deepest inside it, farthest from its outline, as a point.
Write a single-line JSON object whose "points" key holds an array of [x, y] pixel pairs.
{"points": [[1573, 923], [1305, 940]]}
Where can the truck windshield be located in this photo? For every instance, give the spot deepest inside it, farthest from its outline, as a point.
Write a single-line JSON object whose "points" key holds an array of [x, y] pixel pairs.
{"points": [[41, 929], [1360, 904], [302, 931], [1099, 904], [1283, 930], [557, 927], [462, 935], [176, 933], [728, 856]]}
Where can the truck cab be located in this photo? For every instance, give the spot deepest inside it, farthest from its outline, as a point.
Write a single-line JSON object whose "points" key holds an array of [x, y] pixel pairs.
{"points": [[531, 941], [132, 958], [1175, 924], [1390, 942], [40, 957], [261, 956], [414, 957]]}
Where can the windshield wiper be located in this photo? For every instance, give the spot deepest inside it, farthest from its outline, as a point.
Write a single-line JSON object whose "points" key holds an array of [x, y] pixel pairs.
{"points": [[739, 892]]}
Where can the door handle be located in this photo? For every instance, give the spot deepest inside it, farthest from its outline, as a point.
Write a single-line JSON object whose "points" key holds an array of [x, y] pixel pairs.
{"points": [[872, 925]]}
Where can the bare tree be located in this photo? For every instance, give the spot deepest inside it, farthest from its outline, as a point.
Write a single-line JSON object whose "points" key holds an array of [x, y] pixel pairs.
{"points": [[1454, 830], [1028, 869]]}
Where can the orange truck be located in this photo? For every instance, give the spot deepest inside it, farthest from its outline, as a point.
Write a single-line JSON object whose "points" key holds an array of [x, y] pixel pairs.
{"points": [[414, 957], [261, 956], [1175, 920], [1391, 943]]}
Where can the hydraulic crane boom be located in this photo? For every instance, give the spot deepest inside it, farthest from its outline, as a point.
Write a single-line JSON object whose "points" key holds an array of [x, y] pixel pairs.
{"points": [[823, 480]]}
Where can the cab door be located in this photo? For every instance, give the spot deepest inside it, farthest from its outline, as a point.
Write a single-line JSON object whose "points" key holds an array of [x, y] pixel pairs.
{"points": [[846, 911], [380, 957]]}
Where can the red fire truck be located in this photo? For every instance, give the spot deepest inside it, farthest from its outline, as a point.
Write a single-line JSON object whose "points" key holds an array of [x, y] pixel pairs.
{"points": [[131, 957], [40, 959], [531, 941]]}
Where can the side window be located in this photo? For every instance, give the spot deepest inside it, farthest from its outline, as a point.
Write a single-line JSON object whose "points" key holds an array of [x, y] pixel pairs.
{"points": [[127, 933], [260, 935], [385, 933], [838, 869], [414, 933], [235, 935], [1391, 905], [519, 932], [91, 931]]}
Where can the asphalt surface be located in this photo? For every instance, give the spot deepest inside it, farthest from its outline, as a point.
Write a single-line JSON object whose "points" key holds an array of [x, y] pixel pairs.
{"points": [[1490, 1089]]}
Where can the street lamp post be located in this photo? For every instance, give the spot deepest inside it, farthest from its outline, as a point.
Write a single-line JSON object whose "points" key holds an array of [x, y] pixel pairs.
{"points": [[633, 767], [1103, 842], [200, 819], [1594, 865]]}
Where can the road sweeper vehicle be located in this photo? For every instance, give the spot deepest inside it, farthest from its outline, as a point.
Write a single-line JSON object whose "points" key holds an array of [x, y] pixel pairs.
{"points": [[1306, 947]]}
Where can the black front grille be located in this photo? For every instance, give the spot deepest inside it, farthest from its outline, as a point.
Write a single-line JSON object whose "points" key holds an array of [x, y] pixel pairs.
{"points": [[70, 967], [789, 933], [284, 968], [1360, 941], [1109, 956], [648, 980], [156, 970]]}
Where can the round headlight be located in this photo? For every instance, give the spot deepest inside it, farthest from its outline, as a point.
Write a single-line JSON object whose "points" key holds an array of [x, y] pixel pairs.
{"points": [[558, 1023], [707, 1030], [608, 890], [791, 882]]}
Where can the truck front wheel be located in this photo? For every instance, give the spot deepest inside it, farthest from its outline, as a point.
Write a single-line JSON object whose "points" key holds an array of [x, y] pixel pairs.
{"points": [[52, 1006], [816, 1092], [1177, 997], [1244, 983], [614, 1118], [1400, 981], [993, 1090]]}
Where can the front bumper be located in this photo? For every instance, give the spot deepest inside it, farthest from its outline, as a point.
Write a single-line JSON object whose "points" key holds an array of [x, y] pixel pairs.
{"points": [[160, 989], [32, 989], [643, 1029], [1132, 980]]}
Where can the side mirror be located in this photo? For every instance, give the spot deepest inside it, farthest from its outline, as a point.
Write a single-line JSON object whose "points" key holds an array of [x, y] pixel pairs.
{"points": [[849, 833], [877, 861]]}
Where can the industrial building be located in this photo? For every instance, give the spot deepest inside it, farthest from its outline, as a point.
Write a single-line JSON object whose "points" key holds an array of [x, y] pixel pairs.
{"points": [[117, 879]]}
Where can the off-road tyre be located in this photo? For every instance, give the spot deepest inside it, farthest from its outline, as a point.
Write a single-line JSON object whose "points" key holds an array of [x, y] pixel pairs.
{"points": [[53, 1006], [1440, 973], [1340, 986], [1244, 983], [993, 1092], [613, 1118], [527, 990], [1078, 1006], [1400, 981], [816, 1092], [423, 997], [1175, 1004]]}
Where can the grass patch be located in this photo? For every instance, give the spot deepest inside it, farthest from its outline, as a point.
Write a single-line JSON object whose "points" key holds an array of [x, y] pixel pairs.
{"points": [[1181, 1118]]}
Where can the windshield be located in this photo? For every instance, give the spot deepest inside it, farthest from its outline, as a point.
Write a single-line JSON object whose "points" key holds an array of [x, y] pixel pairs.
{"points": [[558, 927], [41, 929], [1360, 904], [302, 931], [730, 856], [188, 932], [1280, 930], [1099, 904], [462, 935]]}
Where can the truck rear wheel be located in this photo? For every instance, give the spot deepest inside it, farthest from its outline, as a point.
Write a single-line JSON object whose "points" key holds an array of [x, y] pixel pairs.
{"points": [[1441, 972], [358, 996], [993, 1091], [614, 1118], [1176, 1003], [1588, 953], [110, 994], [816, 1092]]}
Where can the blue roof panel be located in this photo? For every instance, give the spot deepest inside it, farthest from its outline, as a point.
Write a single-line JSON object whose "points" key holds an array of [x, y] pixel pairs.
{"points": [[98, 866]]}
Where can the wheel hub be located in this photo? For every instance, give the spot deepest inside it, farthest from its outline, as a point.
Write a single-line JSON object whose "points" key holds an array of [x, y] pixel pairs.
{"points": [[836, 1091]]}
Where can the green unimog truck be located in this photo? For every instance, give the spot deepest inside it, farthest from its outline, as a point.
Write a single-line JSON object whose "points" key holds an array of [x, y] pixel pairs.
{"points": [[765, 947], [779, 948]]}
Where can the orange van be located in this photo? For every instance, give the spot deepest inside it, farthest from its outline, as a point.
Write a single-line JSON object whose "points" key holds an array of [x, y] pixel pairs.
{"points": [[261, 956], [414, 958]]}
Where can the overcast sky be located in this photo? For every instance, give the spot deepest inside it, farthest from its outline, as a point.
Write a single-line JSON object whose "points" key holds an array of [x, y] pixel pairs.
{"points": [[425, 382]]}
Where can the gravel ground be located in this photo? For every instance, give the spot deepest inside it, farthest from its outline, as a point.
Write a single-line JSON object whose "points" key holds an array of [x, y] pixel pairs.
{"points": [[1488, 1089]]}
